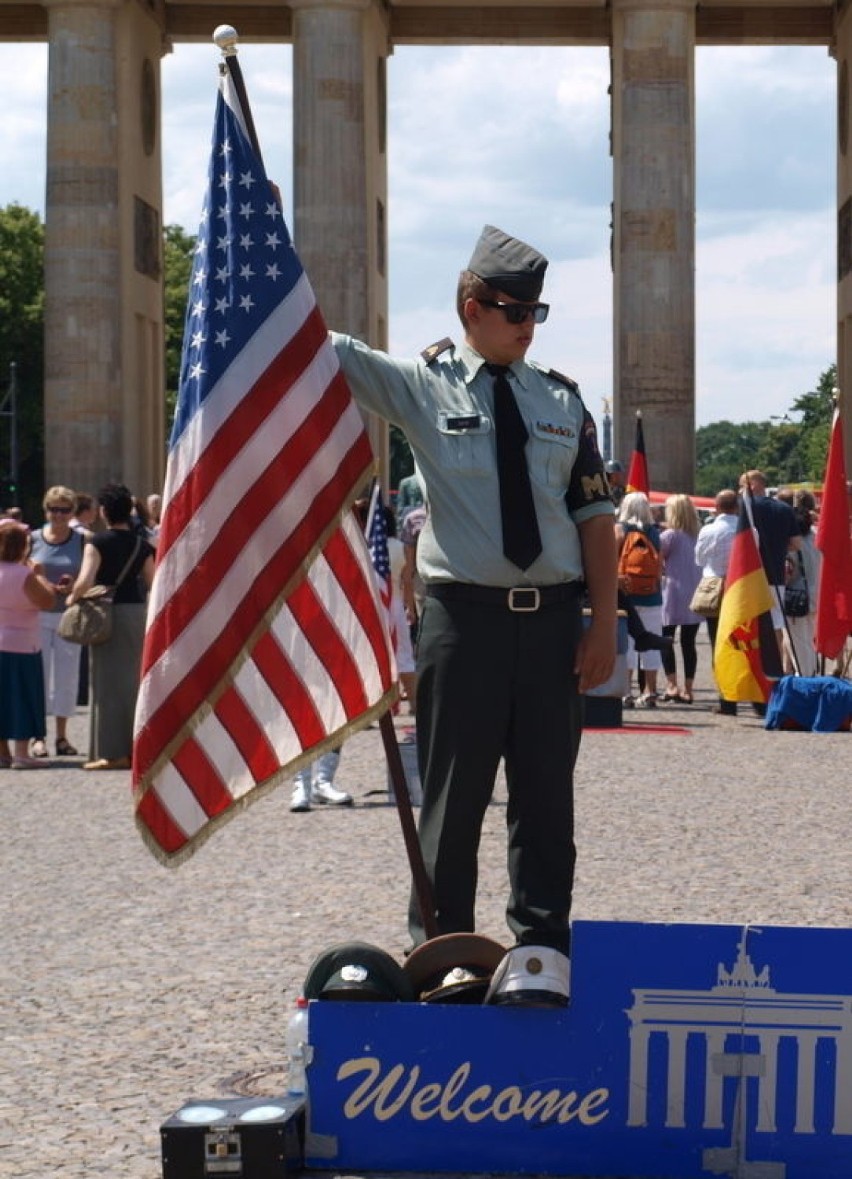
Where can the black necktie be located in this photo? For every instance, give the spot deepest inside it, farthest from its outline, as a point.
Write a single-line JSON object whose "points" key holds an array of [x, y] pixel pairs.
{"points": [[521, 537]]}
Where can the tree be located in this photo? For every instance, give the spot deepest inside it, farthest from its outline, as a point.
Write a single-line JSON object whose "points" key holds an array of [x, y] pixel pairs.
{"points": [[178, 251], [817, 410], [786, 450], [22, 344], [723, 450]]}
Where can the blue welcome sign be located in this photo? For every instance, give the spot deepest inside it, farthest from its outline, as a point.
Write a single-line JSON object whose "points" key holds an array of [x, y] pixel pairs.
{"points": [[687, 1051]]}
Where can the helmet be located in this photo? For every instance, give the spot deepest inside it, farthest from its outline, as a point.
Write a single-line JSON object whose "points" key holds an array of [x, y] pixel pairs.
{"points": [[357, 972], [613, 466], [532, 976], [453, 968]]}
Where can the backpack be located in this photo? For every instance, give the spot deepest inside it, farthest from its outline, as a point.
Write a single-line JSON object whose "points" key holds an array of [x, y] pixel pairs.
{"points": [[638, 564]]}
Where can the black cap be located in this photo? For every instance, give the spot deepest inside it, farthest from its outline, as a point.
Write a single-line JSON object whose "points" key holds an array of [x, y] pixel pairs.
{"points": [[357, 971], [508, 264], [453, 968]]}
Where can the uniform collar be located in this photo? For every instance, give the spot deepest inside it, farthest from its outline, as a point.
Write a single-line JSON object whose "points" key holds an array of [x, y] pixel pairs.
{"points": [[473, 361]]}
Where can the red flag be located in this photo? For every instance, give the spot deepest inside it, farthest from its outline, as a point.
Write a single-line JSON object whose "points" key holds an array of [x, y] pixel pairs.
{"points": [[834, 603], [637, 475], [746, 654], [266, 640]]}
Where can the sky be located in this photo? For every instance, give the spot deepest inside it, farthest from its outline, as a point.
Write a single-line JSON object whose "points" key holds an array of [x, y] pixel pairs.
{"points": [[519, 137]]}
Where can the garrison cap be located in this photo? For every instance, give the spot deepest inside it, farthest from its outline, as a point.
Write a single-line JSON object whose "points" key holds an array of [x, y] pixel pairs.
{"points": [[508, 264], [357, 972], [453, 968]]}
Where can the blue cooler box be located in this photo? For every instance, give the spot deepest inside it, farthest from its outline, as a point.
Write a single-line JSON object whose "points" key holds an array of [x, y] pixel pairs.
{"points": [[603, 704]]}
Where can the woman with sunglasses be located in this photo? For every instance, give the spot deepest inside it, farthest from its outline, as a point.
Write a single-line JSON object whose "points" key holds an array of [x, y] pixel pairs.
{"points": [[58, 550]]}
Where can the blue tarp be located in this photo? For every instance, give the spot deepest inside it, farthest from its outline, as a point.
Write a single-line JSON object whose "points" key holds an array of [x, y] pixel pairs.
{"points": [[820, 703]]}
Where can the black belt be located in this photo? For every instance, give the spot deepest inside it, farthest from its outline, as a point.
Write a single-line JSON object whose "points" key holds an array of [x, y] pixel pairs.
{"points": [[521, 599]]}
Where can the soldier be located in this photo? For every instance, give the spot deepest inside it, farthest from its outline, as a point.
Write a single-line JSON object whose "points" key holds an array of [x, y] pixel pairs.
{"points": [[615, 477], [519, 526]]}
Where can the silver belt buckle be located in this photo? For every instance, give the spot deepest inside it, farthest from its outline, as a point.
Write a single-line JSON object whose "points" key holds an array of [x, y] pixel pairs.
{"points": [[518, 608]]}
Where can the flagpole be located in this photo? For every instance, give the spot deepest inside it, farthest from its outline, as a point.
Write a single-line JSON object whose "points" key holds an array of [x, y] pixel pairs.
{"points": [[226, 37], [422, 884], [793, 656], [420, 880]]}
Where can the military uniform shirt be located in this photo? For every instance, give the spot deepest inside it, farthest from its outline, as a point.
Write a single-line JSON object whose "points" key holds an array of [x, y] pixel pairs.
{"points": [[446, 409]]}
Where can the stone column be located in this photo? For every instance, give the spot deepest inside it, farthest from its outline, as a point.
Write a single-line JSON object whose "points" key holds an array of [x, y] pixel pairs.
{"points": [[653, 142], [82, 288], [103, 249], [340, 166]]}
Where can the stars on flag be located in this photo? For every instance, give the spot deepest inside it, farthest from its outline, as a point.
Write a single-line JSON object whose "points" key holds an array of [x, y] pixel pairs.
{"points": [[240, 264]]}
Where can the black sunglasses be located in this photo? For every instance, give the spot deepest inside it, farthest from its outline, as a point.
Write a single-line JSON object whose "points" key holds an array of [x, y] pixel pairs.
{"points": [[57, 508], [519, 312]]}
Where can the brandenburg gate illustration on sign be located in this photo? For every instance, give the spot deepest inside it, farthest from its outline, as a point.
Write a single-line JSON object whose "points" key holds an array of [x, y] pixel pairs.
{"points": [[103, 214], [740, 1007]]}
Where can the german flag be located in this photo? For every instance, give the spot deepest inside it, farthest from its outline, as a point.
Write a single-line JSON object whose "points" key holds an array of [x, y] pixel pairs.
{"points": [[746, 656], [637, 474]]}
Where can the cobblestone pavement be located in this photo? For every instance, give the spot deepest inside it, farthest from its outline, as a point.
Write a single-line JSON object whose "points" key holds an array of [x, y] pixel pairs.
{"points": [[128, 987]]}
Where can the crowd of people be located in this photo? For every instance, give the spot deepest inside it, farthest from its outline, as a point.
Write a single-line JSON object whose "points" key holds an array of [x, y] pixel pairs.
{"points": [[683, 551], [687, 551], [83, 539], [109, 540]]}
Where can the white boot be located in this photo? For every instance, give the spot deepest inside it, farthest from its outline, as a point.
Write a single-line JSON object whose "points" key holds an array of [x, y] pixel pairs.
{"points": [[301, 799], [322, 790]]}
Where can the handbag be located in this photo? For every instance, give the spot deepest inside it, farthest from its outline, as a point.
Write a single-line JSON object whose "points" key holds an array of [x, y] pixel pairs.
{"points": [[88, 621], [707, 599], [797, 599]]}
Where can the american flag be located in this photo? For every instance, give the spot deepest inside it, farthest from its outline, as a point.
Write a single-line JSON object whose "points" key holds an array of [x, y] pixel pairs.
{"points": [[266, 639], [377, 539]]}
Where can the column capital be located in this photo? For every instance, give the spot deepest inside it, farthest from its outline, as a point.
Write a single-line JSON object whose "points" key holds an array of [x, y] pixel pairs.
{"points": [[653, 5], [81, 5], [328, 5]]}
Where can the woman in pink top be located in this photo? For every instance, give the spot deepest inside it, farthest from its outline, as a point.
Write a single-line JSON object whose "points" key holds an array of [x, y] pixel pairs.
{"points": [[23, 593]]}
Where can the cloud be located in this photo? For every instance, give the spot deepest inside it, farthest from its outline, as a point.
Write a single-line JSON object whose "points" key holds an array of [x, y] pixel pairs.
{"points": [[766, 317], [520, 137]]}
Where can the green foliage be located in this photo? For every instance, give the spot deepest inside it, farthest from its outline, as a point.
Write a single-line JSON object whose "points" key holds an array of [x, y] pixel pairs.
{"points": [[22, 344], [178, 250], [787, 451], [401, 458], [721, 453]]}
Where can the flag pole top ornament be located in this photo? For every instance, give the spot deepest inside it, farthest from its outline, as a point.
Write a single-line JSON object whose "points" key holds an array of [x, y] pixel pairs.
{"points": [[226, 37]]}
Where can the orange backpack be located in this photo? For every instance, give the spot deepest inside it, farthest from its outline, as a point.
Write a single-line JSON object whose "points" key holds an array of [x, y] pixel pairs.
{"points": [[639, 566]]}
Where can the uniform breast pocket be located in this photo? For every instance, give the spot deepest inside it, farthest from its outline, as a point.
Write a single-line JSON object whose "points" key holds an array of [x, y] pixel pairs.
{"points": [[553, 451], [465, 443]]}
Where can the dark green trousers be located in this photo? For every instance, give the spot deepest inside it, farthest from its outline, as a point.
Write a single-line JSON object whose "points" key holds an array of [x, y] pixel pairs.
{"points": [[492, 684]]}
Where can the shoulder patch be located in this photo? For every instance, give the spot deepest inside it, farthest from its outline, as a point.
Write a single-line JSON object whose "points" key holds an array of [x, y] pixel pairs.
{"points": [[563, 380], [434, 350]]}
